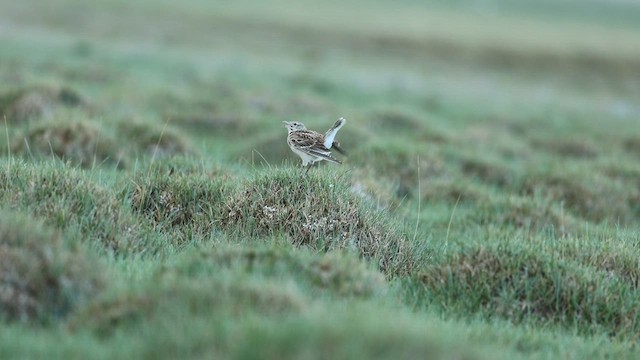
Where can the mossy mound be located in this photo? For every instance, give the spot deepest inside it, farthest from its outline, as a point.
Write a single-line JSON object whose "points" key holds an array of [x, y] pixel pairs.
{"points": [[42, 277], [319, 211]]}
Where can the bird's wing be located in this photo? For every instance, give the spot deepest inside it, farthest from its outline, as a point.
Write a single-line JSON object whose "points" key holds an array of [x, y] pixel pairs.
{"points": [[321, 153], [311, 143]]}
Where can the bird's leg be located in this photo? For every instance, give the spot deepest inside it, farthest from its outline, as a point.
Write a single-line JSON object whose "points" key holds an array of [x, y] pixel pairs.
{"points": [[308, 166]]}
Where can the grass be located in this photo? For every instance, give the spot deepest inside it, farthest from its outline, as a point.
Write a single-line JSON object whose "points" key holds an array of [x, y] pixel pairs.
{"points": [[488, 206]]}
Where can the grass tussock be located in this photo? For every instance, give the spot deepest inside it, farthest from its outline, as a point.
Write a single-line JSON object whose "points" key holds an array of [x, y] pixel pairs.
{"points": [[37, 102], [595, 198], [81, 143], [88, 144], [42, 276], [64, 199], [149, 139], [318, 211], [520, 285], [182, 203], [532, 213]]}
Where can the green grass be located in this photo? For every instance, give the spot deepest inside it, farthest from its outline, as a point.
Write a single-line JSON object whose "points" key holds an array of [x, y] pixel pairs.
{"points": [[488, 207]]}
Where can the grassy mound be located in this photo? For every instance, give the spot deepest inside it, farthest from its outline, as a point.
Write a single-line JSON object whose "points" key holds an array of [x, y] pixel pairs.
{"points": [[177, 201], [593, 198], [37, 102], [42, 277], [335, 272], [65, 199], [523, 285], [276, 299], [535, 213], [320, 211], [89, 144], [79, 142], [226, 282], [149, 139]]}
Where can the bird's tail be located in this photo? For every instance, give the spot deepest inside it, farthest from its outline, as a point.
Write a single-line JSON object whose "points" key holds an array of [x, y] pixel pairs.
{"points": [[331, 133]]}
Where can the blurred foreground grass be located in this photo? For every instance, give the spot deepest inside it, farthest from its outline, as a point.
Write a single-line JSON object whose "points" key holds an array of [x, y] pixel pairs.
{"points": [[488, 208]]}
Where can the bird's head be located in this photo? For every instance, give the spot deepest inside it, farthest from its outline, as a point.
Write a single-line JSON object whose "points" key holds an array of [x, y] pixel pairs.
{"points": [[294, 126]]}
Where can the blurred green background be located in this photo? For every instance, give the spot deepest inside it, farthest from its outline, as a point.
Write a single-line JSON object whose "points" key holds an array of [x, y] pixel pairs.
{"points": [[489, 205]]}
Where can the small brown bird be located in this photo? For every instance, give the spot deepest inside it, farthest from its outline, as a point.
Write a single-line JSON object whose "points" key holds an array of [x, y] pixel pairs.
{"points": [[312, 146]]}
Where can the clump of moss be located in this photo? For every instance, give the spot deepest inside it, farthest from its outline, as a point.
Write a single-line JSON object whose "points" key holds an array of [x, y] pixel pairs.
{"points": [[522, 285], [182, 203], [37, 102], [80, 142], [318, 211], [42, 277]]}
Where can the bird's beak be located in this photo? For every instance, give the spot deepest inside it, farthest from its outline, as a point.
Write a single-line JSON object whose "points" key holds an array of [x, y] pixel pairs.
{"points": [[286, 123]]}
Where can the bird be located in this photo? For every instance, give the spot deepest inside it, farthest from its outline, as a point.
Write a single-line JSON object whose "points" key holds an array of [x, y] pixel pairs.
{"points": [[311, 146]]}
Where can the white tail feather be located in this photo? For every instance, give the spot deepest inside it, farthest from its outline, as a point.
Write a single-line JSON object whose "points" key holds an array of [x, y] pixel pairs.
{"points": [[331, 133]]}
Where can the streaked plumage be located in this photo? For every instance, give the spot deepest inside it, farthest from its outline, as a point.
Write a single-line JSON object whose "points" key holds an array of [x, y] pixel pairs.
{"points": [[312, 146]]}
